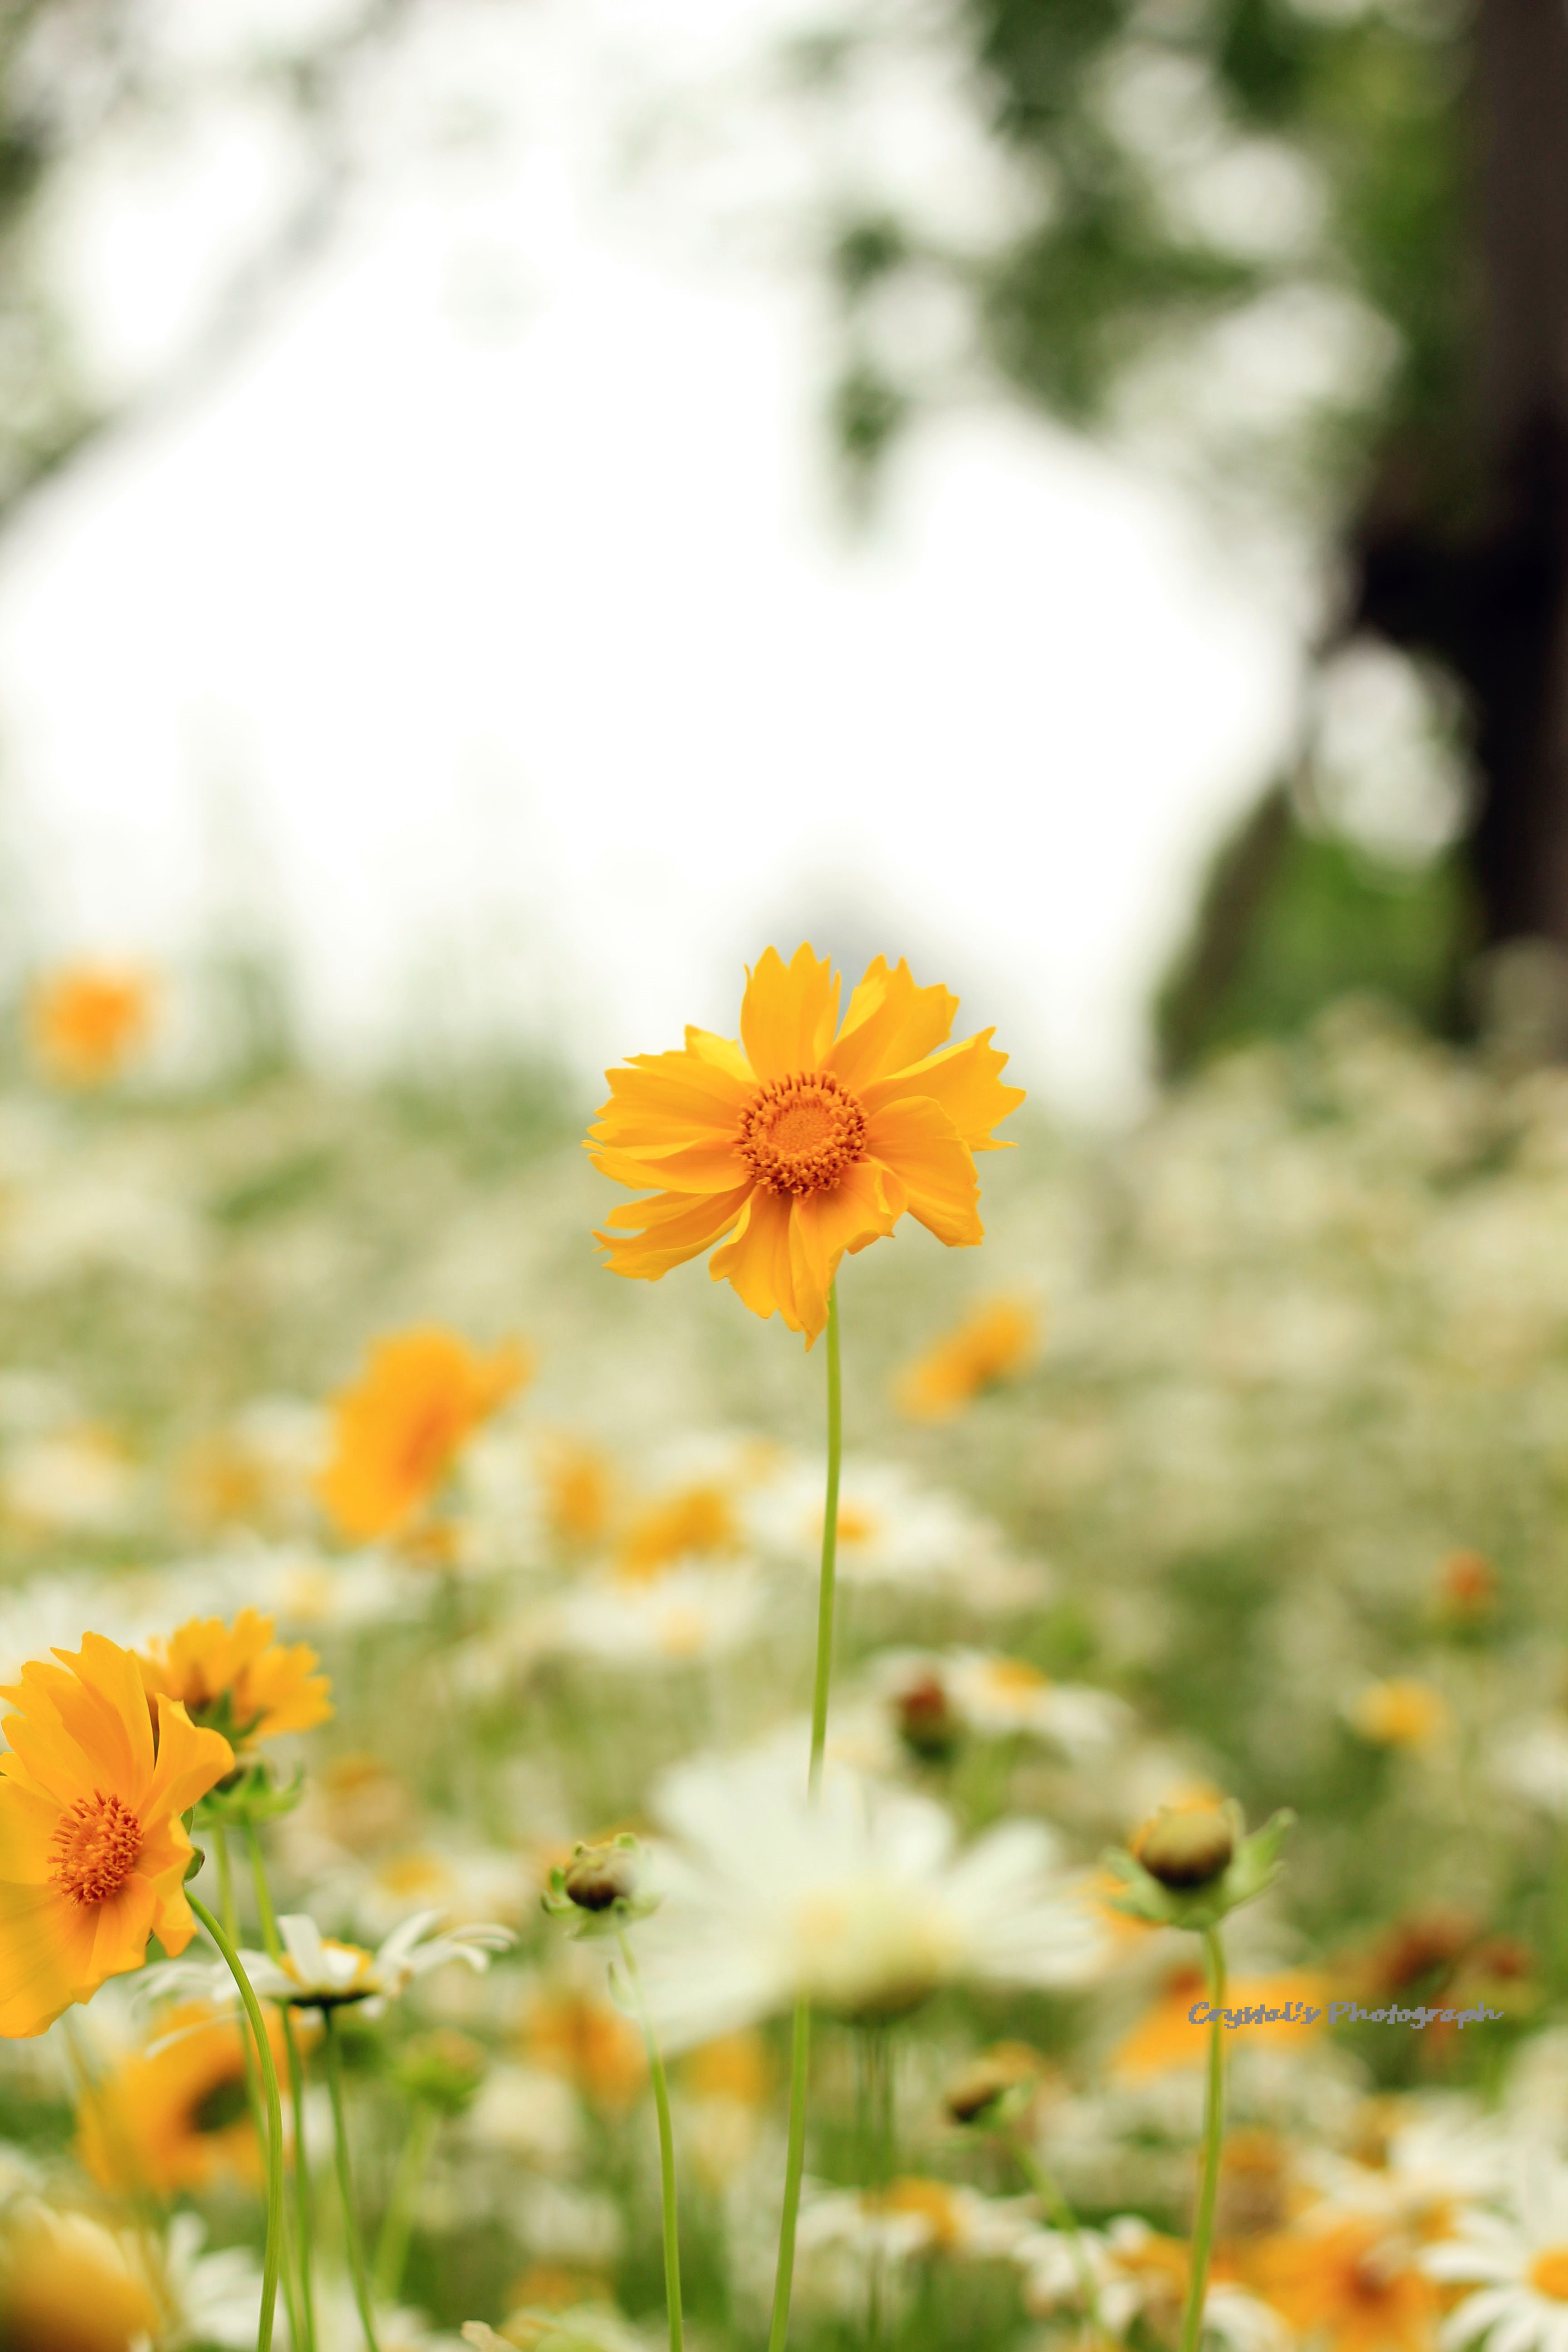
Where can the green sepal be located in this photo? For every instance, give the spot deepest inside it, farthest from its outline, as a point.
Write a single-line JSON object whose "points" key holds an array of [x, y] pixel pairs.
{"points": [[249, 1795], [1250, 1869]]}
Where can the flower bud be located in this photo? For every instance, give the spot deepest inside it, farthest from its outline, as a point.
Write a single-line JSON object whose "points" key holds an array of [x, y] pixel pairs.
{"points": [[996, 2077], [1187, 1846], [598, 1876], [927, 1723]]}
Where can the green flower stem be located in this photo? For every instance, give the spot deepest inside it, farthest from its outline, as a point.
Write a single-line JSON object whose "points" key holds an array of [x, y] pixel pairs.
{"points": [[665, 2149], [794, 2160], [274, 2120], [302, 2319], [795, 2165], [829, 1547], [397, 2226], [1214, 2133], [230, 1913], [346, 2180], [1063, 2218]]}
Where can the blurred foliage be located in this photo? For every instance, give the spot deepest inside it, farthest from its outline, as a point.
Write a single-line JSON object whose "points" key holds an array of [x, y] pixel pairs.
{"points": [[1262, 962]]}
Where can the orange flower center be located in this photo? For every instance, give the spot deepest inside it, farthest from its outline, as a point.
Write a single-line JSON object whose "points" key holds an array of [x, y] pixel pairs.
{"points": [[800, 1134], [95, 1848], [1549, 2273]]}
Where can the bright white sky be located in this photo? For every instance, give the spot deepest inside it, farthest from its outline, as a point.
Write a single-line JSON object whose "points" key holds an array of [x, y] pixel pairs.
{"points": [[492, 623]]}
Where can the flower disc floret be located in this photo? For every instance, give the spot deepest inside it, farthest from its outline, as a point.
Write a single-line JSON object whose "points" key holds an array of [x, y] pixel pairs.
{"points": [[800, 1134], [95, 1848]]}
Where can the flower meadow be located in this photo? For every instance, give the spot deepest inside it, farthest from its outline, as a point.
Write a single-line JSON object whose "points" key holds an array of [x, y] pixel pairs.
{"points": [[987, 1766]]}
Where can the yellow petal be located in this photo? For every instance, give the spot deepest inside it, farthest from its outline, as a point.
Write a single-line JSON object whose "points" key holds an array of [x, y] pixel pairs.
{"points": [[756, 1263], [45, 1950], [722, 1052], [788, 1014], [889, 1024], [964, 1081], [918, 1142], [703, 1167], [675, 1226], [849, 1216], [678, 1090]]}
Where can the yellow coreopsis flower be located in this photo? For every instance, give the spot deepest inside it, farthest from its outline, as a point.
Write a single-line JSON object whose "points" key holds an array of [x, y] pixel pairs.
{"points": [[990, 1346], [808, 1139], [236, 1678], [92, 1848], [176, 2115], [397, 1431], [66, 2284], [87, 1021]]}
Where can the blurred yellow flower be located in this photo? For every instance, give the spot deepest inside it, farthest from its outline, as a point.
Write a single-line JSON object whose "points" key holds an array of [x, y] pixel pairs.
{"points": [[579, 1489], [236, 1678], [92, 1848], [806, 1140], [67, 2285], [698, 1519], [1166, 2036], [175, 2115], [1354, 2288], [87, 1021], [398, 1430], [1402, 1713], [988, 1347], [597, 2050]]}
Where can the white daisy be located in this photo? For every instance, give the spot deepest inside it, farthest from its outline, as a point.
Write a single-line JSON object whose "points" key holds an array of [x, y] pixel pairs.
{"points": [[891, 1531], [861, 1902], [1136, 2274], [1531, 1762], [999, 1697], [464, 1883], [1434, 2167], [915, 2216], [318, 1972], [1519, 2262], [687, 1611]]}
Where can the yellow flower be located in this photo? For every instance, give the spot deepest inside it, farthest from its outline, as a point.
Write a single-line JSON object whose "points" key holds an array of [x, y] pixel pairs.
{"points": [[397, 1433], [92, 1848], [698, 1519], [175, 2115], [1399, 1713], [1354, 2288], [236, 1678], [579, 2036], [87, 1021], [67, 2285], [808, 1139], [987, 1347], [1166, 2036]]}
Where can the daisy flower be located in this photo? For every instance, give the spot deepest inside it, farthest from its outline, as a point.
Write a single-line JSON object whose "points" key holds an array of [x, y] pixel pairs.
{"points": [[236, 1678], [861, 1903], [1518, 2263], [1137, 2275], [688, 1613], [92, 1847], [808, 1139], [316, 1971], [1001, 1697], [891, 1531], [398, 1430], [1432, 2167]]}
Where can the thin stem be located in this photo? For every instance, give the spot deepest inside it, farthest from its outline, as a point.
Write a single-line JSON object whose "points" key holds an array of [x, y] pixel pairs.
{"points": [[1214, 2133], [1064, 2220], [274, 2120], [794, 2158], [346, 2180], [303, 2219], [665, 2149], [829, 1547], [794, 2164], [397, 2226]]}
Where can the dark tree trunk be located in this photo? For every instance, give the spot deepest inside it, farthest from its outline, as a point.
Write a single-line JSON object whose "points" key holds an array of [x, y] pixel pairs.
{"points": [[1492, 599]]}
